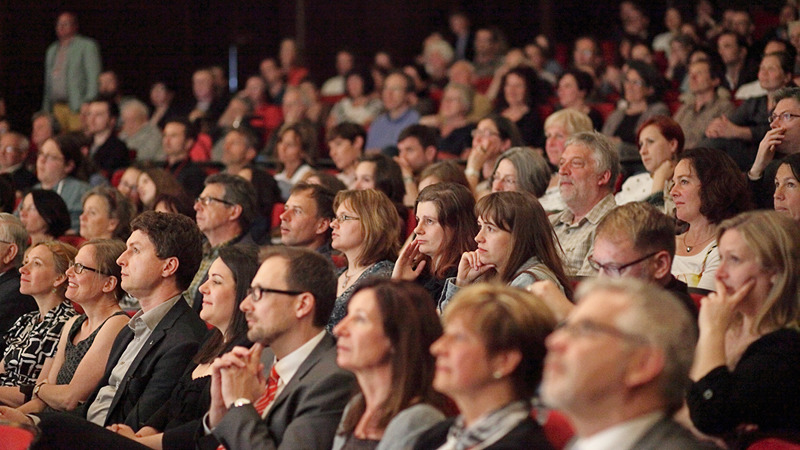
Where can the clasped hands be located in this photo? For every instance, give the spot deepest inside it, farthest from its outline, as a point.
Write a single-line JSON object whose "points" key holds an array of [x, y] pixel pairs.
{"points": [[234, 375]]}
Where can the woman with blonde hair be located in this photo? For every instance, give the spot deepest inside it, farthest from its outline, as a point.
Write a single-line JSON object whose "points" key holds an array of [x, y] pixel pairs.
{"points": [[558, 127], [366, 229], [748, 354], [34, 337], [489, 361]]}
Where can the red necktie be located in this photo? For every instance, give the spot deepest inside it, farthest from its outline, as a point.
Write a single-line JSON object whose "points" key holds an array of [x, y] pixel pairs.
{"points": [[266, 398]]}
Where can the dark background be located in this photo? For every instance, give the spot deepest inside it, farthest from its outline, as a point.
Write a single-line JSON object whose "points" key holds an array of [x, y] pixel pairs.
{"points": [[148, 40]]}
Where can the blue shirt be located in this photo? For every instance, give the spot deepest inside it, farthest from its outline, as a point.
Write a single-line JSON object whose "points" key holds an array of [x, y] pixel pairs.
{"points": [[384, 131]]}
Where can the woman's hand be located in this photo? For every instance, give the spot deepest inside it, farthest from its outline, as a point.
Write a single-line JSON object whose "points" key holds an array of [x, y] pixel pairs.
{"points": [[717, 311], [662, 173], [122, 430], [146, 431], [469, 268], [766, 151], [410, 263], [12, 415]]}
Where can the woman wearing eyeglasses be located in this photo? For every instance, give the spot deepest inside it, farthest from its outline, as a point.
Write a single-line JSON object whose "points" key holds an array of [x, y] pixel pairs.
{"points": [[493, 135], [641, 86], [521, 169], [516, 246], [72, 374], [34, 337], [366, 230]]}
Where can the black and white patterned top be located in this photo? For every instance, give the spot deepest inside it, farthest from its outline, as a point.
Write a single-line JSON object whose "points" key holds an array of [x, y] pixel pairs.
{"points": [[30, 341]]}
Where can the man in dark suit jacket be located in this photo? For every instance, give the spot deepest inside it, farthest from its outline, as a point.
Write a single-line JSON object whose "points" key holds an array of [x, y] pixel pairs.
{"points": [[13, 152], [293, 295], [149, 355], [618, 367], [108, 151], [13, 243]]}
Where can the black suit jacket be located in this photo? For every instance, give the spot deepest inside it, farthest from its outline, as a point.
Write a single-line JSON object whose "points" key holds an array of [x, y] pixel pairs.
{"points": [[154, 372], [304, 416], [12, 303], [112, 155]]}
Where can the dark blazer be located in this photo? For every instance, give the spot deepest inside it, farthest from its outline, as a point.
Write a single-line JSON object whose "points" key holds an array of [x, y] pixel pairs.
{"points": [[112, 155], [304, 416], [12, 303], [528, 435], [156, 369]]}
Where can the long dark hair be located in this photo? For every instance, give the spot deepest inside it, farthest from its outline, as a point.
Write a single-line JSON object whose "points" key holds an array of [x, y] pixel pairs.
{"points": [[412, 325], [521, 214], [455, 207], [242, 260]]}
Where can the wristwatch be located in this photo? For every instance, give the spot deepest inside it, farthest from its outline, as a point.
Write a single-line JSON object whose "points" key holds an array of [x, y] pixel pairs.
{"points": [[35, 393], [240, 402]]}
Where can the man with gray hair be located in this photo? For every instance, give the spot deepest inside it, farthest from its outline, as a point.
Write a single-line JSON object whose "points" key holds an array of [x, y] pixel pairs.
{"points": [[588, 169], [138, 133], [225, 211], [13, 243], [13, 152], [618, 367]]}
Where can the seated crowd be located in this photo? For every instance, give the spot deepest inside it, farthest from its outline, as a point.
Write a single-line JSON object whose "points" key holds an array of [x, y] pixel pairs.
{"points": [[486, 248]]}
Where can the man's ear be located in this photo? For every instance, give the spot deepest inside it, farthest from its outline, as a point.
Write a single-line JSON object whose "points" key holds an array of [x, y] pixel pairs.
{"points": [[304, 305], [169, 267], [358, 143], [662, 263], [430, 153], [645, 365], [604, 178], [235, 213], [11, 253], [323, 224]]}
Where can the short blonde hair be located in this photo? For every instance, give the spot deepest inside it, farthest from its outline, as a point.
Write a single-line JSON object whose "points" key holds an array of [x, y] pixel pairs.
{"points": [[507, 319], [571, 119]]}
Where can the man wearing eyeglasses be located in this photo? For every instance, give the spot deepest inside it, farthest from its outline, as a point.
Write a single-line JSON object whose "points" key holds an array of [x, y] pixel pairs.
{"points": [[634, 240], [150, 354], [618, 367], [13, 152], [781, 140], [298, 400], [225, 211], [13, 243]]}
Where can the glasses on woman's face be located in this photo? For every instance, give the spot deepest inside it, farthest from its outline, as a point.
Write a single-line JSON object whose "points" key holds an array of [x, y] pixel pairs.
{"points": [[484, 133], [79, 268], [342, 218]]}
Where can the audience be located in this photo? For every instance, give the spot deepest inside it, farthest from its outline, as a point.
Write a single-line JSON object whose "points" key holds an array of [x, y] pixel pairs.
{"points": [[34, 337], [452, 120], [708, 188], [588, 169], [442, 172], [384, 341], [493, 135], [14, 149], [397, 93], [747, 355], [85, 341], [574, 89], [44, 216], [489, 361], [107, 151], [295, 149], [516, 246], [180, 136], [359, 105], [521, 93], [446, 224], [153, 182], [617, 367], [706, 101], [107, 214], [346, 143], [366, 230], [416, 150]]}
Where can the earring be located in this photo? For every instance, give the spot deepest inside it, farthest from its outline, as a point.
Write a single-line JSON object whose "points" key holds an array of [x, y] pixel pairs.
{"points": [[497, 375]]}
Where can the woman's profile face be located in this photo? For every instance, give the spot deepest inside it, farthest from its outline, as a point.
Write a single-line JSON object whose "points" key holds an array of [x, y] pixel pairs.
{"points": [[96, 221], [636, 88], [146, 188], [365, 176], [219, 295], [739, 266], [462, 360], [362, 343], [430, 233], [494, 243], [347, 234], [568, 93], [31, 219], [87, 285], [38, 274], [654, 148], [787, 192], [514, 90], [686, 191]]}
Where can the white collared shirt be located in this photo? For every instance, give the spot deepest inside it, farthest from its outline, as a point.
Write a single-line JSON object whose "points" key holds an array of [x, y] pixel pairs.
{"points": [[621, 436], [288, 366]]}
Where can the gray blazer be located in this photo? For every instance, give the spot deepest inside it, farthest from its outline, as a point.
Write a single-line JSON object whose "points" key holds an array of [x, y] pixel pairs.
{"points": [[304, 416], [82, 69], [403, 430], [666, 434]]}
